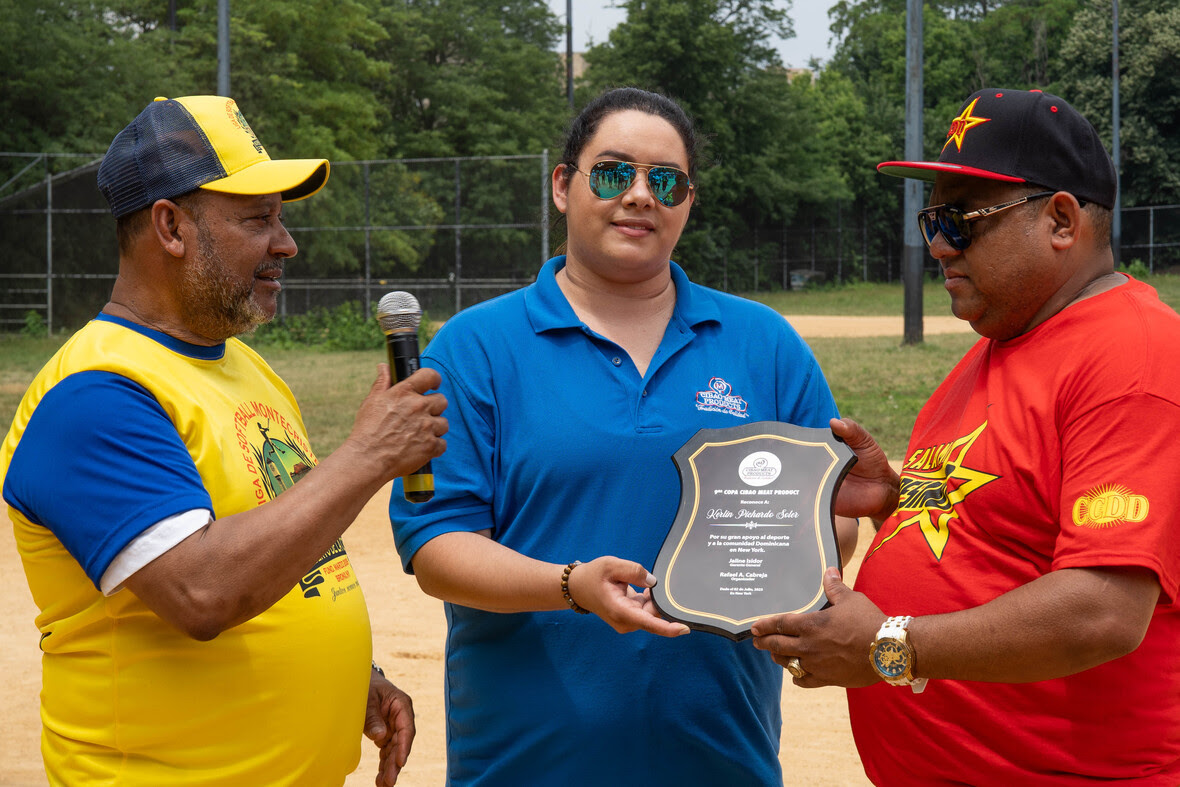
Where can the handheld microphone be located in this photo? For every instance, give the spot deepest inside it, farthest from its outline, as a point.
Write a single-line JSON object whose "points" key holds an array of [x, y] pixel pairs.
{"points": [[399, 314]]}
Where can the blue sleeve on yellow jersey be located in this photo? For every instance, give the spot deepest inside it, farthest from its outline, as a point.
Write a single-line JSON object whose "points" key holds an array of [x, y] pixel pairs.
{"points": [[99, 463]]}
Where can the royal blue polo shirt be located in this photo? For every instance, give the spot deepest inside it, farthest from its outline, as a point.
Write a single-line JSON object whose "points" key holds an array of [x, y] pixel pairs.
{"points": [[561, 450]]}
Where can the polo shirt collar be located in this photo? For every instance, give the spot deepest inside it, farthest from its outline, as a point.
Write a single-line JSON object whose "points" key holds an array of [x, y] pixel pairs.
{"points": [[548, 309]]}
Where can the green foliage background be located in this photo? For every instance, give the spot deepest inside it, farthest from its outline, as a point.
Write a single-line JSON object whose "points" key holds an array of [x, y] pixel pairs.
{"points": [[376, 80]]}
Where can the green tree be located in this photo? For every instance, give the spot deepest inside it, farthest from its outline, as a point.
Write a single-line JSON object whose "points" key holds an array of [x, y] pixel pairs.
{"points": [[966, 46], [1018, 43], [1149, 90], [468, 78], [299, 71], [72, 73]]}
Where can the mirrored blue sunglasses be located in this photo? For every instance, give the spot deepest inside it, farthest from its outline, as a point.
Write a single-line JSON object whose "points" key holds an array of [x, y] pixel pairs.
{"points": [[608, 179]]}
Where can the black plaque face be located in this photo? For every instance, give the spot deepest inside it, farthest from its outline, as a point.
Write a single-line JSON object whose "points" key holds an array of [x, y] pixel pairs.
{"points": [[755, 530]]}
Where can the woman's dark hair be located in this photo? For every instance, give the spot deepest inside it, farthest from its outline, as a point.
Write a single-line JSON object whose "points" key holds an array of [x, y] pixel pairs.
{"points": [[621, 99]]}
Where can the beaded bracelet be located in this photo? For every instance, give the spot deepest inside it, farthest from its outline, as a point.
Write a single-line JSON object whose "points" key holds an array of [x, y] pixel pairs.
{"points": [[565, 589]]}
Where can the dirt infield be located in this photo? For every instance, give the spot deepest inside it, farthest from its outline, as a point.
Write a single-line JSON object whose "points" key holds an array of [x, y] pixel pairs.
{"points": [[810, 326], [408, 632]]}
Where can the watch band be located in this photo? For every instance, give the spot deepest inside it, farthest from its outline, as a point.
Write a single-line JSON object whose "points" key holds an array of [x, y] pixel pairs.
{"points": [[892, 641]]}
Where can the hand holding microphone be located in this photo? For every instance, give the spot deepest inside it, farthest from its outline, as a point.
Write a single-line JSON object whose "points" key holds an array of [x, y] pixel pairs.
{"points": [[399, 314]]}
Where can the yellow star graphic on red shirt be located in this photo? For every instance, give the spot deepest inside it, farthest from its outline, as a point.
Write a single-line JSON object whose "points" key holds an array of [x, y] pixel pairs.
{"points": [[933, 482], [962, 124]]}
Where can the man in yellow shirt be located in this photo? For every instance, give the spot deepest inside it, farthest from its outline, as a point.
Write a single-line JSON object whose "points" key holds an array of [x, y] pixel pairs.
{"points": [[200, 621]]}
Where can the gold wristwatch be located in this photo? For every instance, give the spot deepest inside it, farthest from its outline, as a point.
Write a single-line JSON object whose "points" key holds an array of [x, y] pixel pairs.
{"points": [[892, 655]]}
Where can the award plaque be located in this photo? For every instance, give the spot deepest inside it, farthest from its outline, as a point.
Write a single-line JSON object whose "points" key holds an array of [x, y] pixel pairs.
{"points": [[755, 530]]}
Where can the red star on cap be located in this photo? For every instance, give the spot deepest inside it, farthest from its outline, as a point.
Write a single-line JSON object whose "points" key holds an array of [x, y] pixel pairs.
{"points": [[962, 124]]}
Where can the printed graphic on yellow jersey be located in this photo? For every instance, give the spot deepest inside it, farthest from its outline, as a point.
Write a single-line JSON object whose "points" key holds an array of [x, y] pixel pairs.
{"points": [[278, 456], [962, 124], [274, 450], [1109, 505], [934, 481], [282, 461]]}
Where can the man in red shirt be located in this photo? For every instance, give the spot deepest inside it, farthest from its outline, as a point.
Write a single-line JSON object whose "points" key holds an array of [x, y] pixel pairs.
{"points": [[1014, 620]]}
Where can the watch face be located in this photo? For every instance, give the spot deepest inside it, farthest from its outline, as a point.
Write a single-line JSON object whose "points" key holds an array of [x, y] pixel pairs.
{"points": [[891, 659]]}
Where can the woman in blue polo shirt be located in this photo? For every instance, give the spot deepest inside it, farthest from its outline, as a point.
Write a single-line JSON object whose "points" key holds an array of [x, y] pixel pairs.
{"points": [[567, 401]]}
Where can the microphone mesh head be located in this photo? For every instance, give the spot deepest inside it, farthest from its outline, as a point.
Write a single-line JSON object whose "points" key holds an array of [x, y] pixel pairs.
{"points": [[398, 312]]}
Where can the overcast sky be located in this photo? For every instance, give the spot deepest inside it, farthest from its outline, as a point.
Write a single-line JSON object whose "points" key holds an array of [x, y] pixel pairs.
{"points": [[594, 19]]}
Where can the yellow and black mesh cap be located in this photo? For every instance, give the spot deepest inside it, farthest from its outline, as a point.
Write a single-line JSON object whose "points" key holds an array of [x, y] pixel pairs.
{"points": [[179, 144]]}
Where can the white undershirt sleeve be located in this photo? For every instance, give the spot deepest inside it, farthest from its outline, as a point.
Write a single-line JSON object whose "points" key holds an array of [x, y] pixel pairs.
{"points": [[150, 544]]}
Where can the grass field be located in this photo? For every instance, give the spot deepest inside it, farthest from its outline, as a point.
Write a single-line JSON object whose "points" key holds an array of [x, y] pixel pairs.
{"points": [[887, 299], [877, 381]]}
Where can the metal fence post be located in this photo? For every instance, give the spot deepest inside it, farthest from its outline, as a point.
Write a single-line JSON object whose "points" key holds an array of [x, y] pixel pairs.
{"points": [[368, 244], [864, 242], [48, 246], [757, 258], [813, 242], [786, 276], [458, 244], [1151, 239], [544, 205], [839, 241], [914, 249]]}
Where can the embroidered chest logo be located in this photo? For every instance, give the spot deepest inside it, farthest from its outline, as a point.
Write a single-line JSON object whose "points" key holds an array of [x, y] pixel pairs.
{"points": [[1109, 505], [933, 482], [720, 398]]}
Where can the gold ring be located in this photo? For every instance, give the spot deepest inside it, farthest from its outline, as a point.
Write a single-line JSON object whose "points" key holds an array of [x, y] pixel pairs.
{"points": [[795, 668]]}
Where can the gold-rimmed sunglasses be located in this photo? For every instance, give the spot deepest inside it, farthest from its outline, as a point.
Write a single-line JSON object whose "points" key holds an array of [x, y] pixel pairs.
{"points": [[610, 178], [955, 223]]}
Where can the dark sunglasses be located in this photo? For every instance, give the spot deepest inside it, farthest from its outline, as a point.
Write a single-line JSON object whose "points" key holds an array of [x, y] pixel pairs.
{"points": [[610, 178], [954, 223]]}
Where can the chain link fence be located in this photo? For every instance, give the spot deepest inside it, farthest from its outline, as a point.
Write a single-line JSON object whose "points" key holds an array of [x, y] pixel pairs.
{"points": [[453, 231]]}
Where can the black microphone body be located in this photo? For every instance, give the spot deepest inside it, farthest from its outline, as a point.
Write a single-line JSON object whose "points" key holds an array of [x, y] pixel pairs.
{"points": [[398, 314], [403, 354]]}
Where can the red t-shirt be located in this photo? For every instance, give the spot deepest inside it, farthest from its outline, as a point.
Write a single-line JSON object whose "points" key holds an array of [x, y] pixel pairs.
{"points": [[1057, 449]]}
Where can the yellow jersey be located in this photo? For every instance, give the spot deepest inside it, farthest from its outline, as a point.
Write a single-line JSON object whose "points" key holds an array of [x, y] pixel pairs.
{"points": [[136, 426]]}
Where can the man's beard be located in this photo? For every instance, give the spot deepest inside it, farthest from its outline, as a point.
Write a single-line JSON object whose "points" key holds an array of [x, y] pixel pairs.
{"points": [[218, 306]]}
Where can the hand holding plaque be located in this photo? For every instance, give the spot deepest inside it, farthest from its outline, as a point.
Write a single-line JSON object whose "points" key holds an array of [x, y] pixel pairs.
{"points": [[755, 530]]}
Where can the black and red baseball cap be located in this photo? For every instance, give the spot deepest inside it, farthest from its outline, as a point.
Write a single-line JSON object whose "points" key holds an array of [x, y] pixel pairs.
{"points": [[1021, 136]]}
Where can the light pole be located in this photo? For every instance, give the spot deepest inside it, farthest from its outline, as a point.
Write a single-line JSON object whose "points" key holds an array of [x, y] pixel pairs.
{"points": [[569, 52], [223, 47], [913, 257], [1116, 225]]}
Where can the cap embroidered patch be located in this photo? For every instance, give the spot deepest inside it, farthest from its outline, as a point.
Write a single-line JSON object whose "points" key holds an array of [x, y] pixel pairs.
{"points": [[962, 124]]}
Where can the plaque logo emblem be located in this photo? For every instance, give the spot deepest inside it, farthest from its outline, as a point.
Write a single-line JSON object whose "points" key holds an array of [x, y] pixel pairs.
{"points": [[759, 468]]}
